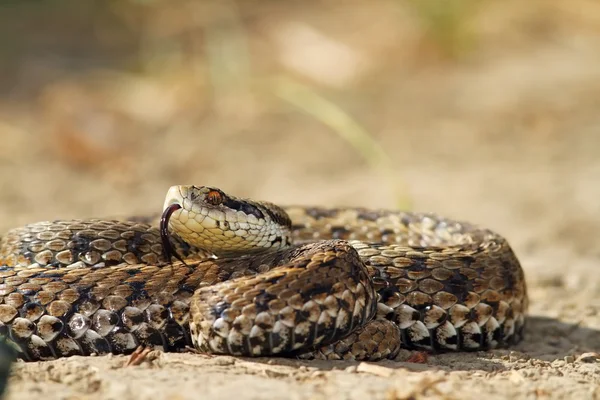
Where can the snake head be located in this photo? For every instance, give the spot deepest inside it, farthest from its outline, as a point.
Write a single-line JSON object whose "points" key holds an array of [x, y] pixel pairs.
{"points": [[209, 219]]}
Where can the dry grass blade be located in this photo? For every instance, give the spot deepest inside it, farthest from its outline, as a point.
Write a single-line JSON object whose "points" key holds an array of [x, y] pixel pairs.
{"points": [[346, 128]]}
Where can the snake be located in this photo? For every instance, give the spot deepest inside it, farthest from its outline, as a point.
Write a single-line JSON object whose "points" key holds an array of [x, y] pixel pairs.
{"points": [[218, 274]]}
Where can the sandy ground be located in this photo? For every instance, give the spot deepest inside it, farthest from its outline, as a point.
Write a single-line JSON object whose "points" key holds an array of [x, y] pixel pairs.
{"points": [[509, 140], [552, 236]]}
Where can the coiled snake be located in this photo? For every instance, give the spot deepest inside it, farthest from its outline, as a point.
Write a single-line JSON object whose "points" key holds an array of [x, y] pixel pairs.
{"points": [[236, 276]]}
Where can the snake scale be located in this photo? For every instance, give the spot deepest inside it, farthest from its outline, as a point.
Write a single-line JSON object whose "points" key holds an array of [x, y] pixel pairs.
{"points": [[235, 276]]}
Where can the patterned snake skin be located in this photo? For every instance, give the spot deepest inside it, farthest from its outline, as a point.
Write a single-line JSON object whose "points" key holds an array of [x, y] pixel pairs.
{"points": [[257, 280]]}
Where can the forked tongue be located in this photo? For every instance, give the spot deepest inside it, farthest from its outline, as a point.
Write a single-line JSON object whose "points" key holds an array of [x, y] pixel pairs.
{"points": [[168, 250]]}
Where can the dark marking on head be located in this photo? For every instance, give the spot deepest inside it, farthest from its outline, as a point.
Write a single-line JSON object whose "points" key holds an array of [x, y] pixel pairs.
{"points": [[280, 218], [223, 224], [243, 206]]}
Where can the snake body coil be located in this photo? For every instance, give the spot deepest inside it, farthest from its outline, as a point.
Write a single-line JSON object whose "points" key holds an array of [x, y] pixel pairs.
{"points": [[257, 280]]}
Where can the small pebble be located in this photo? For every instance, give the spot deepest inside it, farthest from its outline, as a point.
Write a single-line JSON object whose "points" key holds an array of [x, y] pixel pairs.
{"points": [[589, 357], [374, 369], [569, 359], [517, 356]]}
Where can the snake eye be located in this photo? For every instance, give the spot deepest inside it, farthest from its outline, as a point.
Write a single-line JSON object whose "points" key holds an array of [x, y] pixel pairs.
{"points": [[214, 197]]}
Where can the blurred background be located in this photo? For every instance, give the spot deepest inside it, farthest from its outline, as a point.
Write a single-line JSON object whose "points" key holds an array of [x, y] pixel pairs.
{"points": [[480, 110]]}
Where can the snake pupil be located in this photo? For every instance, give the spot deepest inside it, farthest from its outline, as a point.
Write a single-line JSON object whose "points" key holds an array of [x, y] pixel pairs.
{"points": [[168, 250]]}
